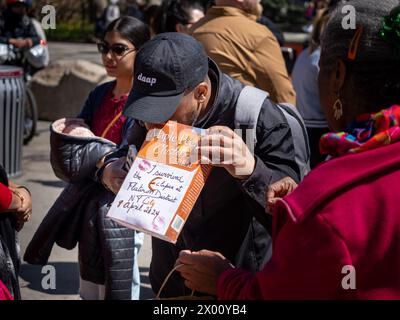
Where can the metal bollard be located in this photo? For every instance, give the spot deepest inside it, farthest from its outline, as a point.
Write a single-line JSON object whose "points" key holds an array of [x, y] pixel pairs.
{"points": [[12, 98]]}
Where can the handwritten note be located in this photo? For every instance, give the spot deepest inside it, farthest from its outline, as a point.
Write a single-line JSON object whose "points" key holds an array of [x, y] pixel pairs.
{"points": [[162, 185]]}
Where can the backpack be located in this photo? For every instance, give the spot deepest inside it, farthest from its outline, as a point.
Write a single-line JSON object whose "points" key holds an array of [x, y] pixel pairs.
{"points": [[248, 108]]}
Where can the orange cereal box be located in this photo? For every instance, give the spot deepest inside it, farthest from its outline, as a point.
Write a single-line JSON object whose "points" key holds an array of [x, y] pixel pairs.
{"points": [[163, 183]]}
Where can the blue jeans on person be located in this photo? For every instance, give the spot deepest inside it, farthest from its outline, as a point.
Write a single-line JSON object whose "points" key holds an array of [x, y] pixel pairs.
{"points": [[139, 237]]}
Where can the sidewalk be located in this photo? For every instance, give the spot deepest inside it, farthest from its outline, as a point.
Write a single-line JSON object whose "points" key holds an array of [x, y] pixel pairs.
{"points": [[45, 187], [74, 51]]}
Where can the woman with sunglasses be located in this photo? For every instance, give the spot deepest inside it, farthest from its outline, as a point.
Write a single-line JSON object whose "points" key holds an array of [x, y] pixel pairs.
{"points": [[118, 48], [103, 111]]}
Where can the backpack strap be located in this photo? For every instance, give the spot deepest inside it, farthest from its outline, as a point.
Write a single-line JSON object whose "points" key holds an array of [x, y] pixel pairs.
{"points": [[299, 135], [248, 107]]}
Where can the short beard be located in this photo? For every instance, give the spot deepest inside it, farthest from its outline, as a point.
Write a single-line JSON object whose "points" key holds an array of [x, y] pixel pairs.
{"points": [[194, 117]]}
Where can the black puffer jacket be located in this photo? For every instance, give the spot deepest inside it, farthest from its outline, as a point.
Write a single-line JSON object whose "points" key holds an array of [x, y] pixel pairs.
{"points": [[79, 215]]}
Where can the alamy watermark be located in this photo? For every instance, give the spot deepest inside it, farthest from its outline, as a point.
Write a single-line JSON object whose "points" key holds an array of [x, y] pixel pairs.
{"points": [[49, 20], [349, 19], [49, 279], [349, 280], [229, 147]]}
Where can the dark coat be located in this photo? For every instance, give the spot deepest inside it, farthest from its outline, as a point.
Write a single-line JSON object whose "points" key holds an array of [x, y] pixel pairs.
{"points": [[79, 216]]}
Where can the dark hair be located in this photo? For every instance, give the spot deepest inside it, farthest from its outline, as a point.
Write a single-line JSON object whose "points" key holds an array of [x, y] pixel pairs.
{"points": [[172, 12], [131, 29], [150, 14], [374, 74], [318, 27]]}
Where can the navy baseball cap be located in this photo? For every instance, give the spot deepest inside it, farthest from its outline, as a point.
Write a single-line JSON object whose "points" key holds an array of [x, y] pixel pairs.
{"points": [[165, 67]]}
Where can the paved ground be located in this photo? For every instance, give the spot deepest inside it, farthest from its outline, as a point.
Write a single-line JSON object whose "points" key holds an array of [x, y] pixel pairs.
{"points": [[73, 51], [45, 187]]}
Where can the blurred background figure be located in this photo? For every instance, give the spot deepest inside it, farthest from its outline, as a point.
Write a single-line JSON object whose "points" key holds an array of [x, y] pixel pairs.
{"points": [[100, 6], [110, 13], [244, 49], [23, 44], [270, 25], [16, 27], [177, 16], [305, 82], [313, 11], [149, 14], [134, 8], [309, 10]]}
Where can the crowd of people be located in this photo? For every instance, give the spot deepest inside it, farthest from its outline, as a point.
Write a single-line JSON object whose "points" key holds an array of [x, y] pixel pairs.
{"points": [[265, 226]]}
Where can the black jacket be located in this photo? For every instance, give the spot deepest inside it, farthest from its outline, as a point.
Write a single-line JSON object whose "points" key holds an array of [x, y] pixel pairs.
{"points": [[222, 218], [79, 216], [9, 247]]}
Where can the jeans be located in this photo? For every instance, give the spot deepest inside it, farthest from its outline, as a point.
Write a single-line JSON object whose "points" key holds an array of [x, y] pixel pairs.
{"points": [[139, 237], [92, 291]]}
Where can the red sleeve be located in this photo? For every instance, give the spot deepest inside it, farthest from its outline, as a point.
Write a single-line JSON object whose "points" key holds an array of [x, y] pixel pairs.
{"points": [[4, 293], [5, 197], [306, 264]]}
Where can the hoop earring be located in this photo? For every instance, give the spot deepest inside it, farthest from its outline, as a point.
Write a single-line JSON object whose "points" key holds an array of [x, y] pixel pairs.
{"points": [[338, 109]]}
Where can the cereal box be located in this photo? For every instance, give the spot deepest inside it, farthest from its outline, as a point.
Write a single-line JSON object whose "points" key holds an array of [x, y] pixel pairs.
{"points": [[163, 183]]}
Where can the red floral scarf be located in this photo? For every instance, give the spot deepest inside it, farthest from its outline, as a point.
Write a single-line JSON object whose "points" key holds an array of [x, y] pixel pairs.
{"points": [[368, 131]]}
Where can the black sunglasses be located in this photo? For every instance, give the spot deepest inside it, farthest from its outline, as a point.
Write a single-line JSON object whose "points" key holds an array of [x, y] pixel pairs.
{"points": [[117, 49]]}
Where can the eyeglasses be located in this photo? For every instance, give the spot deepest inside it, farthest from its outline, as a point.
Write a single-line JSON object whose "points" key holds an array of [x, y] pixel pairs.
{"points": [[117, 49]]}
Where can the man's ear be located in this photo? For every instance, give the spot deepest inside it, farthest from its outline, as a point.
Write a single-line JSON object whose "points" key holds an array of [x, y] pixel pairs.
{"points": [[201, 92], [339, 76], [179, 27]]}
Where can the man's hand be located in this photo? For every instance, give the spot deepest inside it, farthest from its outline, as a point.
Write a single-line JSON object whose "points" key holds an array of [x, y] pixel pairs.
{"points": [[113, 175], [279, 190], [202, 269], [222, 147]]}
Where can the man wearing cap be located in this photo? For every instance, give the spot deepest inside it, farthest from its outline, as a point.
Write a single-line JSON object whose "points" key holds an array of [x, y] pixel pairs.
{"points": [[175, 80]]}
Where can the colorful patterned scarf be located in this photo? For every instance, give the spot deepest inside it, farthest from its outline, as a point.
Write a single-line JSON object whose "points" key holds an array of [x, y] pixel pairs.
{"points": [[368, 131]]}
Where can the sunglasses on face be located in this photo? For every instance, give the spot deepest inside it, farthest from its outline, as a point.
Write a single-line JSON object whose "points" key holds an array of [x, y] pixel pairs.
{"points": [[117, 49]]}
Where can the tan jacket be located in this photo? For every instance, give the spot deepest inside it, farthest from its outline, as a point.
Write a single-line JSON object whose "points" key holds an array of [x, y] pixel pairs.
{"points": [[245, 50]]}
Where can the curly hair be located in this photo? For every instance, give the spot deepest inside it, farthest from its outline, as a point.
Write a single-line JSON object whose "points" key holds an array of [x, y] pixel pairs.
{"points": [[374, 74]]}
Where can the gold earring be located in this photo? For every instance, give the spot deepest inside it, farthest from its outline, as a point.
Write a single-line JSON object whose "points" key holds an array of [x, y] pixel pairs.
{"points": [[338, 109]]}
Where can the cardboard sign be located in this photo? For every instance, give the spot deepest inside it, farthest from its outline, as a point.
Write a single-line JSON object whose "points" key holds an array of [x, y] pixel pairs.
{"points": [[163, 184]]}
